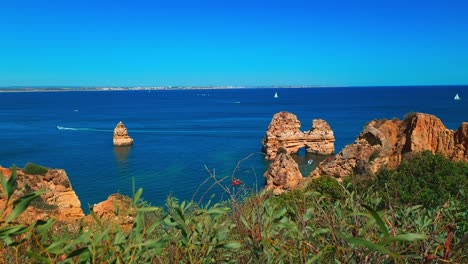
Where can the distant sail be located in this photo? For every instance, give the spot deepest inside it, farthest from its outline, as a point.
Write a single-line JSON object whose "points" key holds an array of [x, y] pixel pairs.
{"points": [[457, 97], [276, 95]]}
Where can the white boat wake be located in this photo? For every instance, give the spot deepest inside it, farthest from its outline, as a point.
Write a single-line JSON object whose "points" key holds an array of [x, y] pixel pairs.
{"points": [[65, 128]]}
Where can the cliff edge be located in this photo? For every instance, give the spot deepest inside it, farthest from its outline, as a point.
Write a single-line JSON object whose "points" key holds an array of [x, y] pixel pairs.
{"points": [[384, 142], [59, 201]]}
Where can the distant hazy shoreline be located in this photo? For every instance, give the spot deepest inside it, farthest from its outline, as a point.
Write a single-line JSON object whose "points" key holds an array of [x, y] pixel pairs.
{"points": [[21, 89], [168, 88]]}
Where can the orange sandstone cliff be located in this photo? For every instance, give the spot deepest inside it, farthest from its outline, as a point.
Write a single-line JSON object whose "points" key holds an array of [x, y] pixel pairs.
{"points": [[59, 201], [283, 174], [384, 142]]}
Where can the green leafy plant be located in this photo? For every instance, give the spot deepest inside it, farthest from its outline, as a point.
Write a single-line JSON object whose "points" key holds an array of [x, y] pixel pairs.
{"points": [[322, 223], [34, 169], [424, 179]]}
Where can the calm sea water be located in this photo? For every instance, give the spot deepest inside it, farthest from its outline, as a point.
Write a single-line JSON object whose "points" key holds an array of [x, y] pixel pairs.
{"points": [[178, 133]]}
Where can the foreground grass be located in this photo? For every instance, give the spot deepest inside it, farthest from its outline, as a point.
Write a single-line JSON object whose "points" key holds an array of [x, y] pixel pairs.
{"points": [[326, 222]]}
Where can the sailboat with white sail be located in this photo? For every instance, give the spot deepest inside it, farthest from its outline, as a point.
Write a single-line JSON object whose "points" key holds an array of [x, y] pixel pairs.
{"points": [[276, 95], [457, 97]]}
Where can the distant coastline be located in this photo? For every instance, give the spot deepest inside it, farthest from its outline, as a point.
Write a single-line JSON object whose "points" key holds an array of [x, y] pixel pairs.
{"points": [[31, 89], [136, 88]]}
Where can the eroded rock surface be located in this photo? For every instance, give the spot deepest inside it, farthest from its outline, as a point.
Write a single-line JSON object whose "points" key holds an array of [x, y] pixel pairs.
{"points": [[384, 142], [283, 174], [121, 137], [116, 209], [284, 131], [59, 201]]}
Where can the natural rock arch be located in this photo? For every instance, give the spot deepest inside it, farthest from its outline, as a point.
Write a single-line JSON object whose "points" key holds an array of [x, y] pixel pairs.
{"points": [[284, 131]]}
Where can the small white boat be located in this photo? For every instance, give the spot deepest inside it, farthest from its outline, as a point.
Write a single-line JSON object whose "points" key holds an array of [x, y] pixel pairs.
{"points": [[309, 162], [276, 95], [457, 97]]}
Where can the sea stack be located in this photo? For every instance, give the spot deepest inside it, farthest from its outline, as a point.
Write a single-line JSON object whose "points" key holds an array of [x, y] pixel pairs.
{"points": [[121, 137], [283, 174], [284, 131]]}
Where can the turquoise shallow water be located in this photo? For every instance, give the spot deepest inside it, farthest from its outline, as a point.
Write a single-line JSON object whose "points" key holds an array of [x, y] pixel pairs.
{"points": [[177, 133]]}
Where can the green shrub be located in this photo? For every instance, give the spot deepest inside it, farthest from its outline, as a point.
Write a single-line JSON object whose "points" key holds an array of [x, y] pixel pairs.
{"points": [[34, 169], [424, 179], [328, 186], [323, 223], [409, 115]]}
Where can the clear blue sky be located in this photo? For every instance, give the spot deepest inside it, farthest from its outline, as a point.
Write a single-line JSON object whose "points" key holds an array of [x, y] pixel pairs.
{"points": [[225, 42]]}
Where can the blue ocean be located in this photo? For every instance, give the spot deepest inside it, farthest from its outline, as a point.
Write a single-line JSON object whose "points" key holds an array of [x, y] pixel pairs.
{"points": [[179, 134]]}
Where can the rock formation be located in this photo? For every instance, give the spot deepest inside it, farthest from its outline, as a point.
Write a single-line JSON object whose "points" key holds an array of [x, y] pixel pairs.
{"points": [[116, 209], [6, 172], [121, 137], [284, 131], [59, 201], [283, 174], [384, 142]]}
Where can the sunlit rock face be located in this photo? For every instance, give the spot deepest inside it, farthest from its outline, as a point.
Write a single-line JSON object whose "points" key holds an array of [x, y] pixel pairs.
{"points": [[283, 174], [284, 131], [116, 209], [384, 142], [121, 137], [59, 200]]}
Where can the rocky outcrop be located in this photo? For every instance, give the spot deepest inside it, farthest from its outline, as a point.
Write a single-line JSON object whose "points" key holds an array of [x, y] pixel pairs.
{"points": [[284, 131], [283, 174], [121, 137], [59, 201], [384, 142], [5, 171], [116, 209]]}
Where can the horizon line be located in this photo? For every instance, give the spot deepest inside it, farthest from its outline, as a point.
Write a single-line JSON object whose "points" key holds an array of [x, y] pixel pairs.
{"points": [[174, 87]]}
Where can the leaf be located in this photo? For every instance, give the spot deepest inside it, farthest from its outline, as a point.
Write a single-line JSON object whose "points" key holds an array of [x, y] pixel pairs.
{"points": [[154, 225], [308, 214], [20, 205], [41, 259], [11, 182], [150, 243], [71, 243], [378, 220], [168, 221], [367, 244], [244, 221], [279, 213], [180, 213], [78, 252], [405, 237], [218, 210], [148, 209], [94, 216], [222, 233], [43, 226], [232, 245], [11, 231], [8, 186], [4, 184], [137, 196], [57, 246], [317, 257], [139, 223]]}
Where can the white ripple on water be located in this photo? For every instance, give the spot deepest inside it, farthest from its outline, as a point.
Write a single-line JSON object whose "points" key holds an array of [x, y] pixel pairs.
{"points": [[160, 131]]}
